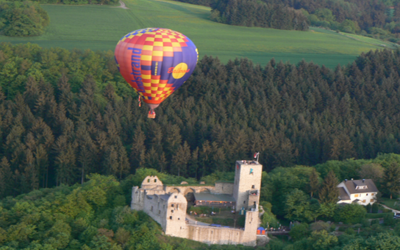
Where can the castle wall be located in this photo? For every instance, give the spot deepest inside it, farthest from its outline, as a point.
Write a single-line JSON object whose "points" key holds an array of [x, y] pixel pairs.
{"points": [[167, 206], [215, 235], [156, 208], [249, 237], [185, 189], [223, 188], [176, 215], [152, 182], [137, 202]]}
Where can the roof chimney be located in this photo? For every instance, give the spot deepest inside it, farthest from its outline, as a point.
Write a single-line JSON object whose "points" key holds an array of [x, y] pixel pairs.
{"points": [[363, 180], [345, 180], [351, 178]]}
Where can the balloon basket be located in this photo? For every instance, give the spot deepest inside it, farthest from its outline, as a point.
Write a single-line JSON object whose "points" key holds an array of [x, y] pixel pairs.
{"points": [[151, 115]]}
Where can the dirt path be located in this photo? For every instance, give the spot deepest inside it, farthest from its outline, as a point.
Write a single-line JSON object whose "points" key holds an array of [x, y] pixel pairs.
{"points": [[122, 5], [393, 210]]}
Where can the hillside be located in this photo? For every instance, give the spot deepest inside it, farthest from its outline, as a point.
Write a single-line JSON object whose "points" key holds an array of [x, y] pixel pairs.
{"points": [[100, 27], [67, 114]]}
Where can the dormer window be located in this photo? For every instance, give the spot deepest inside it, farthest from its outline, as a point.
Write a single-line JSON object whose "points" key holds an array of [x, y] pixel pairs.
{"points": [[361, 187]]}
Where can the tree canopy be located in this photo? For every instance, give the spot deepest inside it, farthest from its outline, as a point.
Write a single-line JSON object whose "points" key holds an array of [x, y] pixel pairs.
{"points": [[65, 114], [22, 18]]}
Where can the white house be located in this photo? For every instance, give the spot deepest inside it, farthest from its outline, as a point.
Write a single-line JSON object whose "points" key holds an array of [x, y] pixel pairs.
{"points": [[362, 192]]}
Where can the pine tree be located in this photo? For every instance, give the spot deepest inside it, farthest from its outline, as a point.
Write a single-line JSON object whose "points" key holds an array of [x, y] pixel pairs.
{"points": [[138, 150], [314, 182], [6, 178], [391, 179], [329, 192], [181, 159]]}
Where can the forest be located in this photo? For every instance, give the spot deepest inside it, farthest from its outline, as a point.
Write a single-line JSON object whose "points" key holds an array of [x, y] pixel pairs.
{"points": [[95, 214], [65, 114], [252, 13], [378, 19], [22, 19]]}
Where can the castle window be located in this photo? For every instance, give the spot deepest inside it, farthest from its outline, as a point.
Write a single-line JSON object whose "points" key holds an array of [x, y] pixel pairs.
{"points": [[148, 180], [159, 211], [172, 211], [155, 180], [172, 205], [170, 217], [151, 209], [179, 218], [177, 206], [176, 196], [244, 202], [253, 186]]}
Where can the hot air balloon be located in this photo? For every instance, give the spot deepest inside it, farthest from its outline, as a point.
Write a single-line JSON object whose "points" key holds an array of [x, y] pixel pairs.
{"points": [[155, 62]]}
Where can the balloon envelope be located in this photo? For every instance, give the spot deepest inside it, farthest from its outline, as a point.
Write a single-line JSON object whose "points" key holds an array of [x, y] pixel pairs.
{"points": [[155, 62]]}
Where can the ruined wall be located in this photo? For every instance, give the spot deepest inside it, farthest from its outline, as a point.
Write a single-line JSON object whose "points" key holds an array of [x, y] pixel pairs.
{"points": [[137, 201], [176, 215], [249, 237], [217, 235], [156, 208], [152, 182], [223, 188], [169, 209]]}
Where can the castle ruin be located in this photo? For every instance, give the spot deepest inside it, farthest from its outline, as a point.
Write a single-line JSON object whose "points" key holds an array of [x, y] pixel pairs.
{"points": [[167, 205]]}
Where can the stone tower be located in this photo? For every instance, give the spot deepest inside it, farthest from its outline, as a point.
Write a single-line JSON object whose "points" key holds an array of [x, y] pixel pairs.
{"points": [[247, 185]]}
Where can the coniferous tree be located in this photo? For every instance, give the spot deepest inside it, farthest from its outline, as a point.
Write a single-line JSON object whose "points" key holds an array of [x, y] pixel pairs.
{"points": [[314, 182], [391, 179], [329, 192], [6, 178], [181, 159]]}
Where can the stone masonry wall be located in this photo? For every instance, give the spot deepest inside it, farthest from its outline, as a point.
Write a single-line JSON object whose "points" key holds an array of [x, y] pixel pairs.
{"points": [[176, 215], [156, 208], [215, 235], [223, 188]]}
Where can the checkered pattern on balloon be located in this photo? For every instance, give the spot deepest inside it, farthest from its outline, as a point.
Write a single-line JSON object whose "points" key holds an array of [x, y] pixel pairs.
{"points": [[155, 62]]}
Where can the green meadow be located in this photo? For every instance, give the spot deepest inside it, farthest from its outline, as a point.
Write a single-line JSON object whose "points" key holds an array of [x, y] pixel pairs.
{"points": [[100, 27]]}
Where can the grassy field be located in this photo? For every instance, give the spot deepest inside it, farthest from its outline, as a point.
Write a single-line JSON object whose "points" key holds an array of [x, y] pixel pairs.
{"points": [[100, 27]]}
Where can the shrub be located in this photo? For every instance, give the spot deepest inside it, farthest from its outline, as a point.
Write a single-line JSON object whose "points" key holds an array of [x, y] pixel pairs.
{"points": [[352, 213], [299, 231], [375, 207], [350, 231]]}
